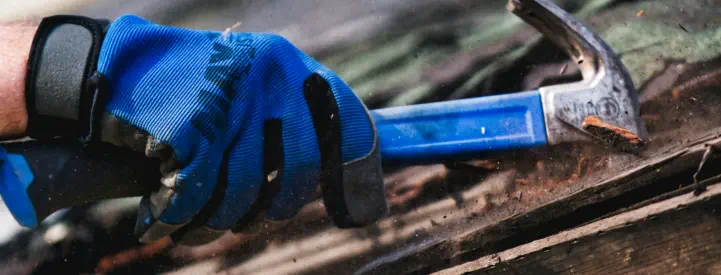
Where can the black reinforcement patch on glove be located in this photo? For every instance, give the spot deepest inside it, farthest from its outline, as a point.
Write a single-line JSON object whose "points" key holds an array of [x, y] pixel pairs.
{"points": [[324, 110]]}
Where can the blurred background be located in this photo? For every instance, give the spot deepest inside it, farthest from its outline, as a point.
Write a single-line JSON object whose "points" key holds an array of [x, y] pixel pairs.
{"points": [[398, 52]]}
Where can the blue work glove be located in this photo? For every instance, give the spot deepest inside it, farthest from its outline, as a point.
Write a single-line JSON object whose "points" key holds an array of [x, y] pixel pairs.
{"points": [[238, 120]]}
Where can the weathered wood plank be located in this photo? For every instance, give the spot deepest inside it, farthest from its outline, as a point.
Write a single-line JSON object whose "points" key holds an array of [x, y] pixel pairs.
{"points": [[653, 176], [675, 236], [417, 241]]}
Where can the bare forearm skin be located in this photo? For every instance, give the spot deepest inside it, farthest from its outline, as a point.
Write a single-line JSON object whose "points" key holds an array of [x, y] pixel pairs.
{"points": [[15, 41]]}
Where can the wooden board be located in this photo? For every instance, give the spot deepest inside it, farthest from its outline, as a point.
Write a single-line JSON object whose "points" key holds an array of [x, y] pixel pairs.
{"points": [[675, 236], [665, 172]]}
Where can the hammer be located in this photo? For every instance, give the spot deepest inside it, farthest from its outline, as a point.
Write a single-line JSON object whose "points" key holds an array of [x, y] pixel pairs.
{"points": [[36, 179]]}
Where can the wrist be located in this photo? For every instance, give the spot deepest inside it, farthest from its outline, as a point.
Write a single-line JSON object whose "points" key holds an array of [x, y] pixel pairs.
{"points": [[15, 42]]}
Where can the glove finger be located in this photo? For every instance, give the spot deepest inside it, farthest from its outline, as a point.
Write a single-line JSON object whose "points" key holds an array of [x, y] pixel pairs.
{"points": [[197, 232], [272, 177], [300, 175], [238, 187], [182, 196], [183, 192]]}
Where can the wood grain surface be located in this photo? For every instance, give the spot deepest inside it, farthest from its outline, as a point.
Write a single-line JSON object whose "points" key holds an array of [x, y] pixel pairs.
{"points": [[674, 236]]}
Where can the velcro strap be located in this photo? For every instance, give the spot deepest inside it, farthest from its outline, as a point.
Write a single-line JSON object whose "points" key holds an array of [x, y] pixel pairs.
{"points": [[62, 86]]}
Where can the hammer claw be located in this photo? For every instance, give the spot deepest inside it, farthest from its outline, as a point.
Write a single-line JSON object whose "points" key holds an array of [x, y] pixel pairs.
{"points": [[606, 91]]}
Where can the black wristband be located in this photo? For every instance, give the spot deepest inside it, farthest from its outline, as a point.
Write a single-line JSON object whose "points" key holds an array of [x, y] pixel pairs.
{"points": [[63, 90]]}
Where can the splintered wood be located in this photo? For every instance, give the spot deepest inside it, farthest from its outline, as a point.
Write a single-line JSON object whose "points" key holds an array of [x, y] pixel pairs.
{"points": [[617, 137]]}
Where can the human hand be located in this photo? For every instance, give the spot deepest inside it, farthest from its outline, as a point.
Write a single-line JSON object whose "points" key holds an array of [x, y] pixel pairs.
{"points": [[241, 122]]}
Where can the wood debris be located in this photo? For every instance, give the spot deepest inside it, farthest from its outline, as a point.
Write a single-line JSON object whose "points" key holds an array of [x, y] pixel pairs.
{"points": [[617, 137], [563, 69], [227, 31], [148, 251], [676, 94], [682, 27]]}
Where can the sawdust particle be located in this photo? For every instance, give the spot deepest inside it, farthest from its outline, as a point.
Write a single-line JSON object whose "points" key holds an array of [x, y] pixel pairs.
{"points": [[484, 164], [676, 94], [227, 31], [651, 117], [579, 166], [682, 27]]}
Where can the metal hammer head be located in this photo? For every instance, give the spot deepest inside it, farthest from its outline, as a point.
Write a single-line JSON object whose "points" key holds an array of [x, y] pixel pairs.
{"points": [[604, 104]]}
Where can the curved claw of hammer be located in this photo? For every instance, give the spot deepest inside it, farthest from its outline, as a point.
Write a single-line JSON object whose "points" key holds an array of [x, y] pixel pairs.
{"points": [[606, 92]]}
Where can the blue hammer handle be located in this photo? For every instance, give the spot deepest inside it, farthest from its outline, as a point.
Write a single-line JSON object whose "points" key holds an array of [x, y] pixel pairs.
{"points": [[459, 129]]}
